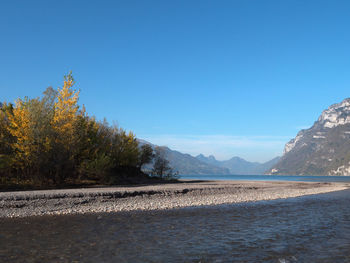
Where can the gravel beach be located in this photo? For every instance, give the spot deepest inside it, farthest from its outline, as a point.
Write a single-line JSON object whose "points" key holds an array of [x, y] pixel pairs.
{"points": [[154, 197]]}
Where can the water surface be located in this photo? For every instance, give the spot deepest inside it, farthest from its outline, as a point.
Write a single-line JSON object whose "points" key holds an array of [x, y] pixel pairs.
{"points": [[269, 178], [304, 229]]}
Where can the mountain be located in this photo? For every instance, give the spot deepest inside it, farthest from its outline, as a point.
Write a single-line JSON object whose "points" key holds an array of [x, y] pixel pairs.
{"points": [[210, 159], [267, 166], [237, 165], [187, 164], [323, 149]]}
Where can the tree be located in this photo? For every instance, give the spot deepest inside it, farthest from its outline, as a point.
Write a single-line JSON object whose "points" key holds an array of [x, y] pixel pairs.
{"points": [[44, 133], [146, 155], [30, 127], [51, 140], [66, 111], [66, 107], [128, 149], [161, 166], [6, 139]]}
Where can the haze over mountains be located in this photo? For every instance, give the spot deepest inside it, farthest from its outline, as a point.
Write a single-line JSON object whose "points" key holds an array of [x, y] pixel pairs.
{"points": [[187, 164], [237, 165], [323, 149]]}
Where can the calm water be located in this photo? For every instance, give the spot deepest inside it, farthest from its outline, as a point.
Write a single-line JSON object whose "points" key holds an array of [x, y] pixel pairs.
{"points": [[304, 229], [269, 178]]}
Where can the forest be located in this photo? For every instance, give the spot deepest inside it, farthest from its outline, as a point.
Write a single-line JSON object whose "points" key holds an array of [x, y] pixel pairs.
{"points": [[52, 141]]}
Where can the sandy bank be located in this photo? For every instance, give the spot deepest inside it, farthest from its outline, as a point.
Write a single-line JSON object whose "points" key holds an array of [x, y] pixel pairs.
{"points": [[186, 194]]}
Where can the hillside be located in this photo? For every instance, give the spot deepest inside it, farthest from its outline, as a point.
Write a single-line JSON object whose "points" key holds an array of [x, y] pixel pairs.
{"points": [[187, 164], [323, 149]]}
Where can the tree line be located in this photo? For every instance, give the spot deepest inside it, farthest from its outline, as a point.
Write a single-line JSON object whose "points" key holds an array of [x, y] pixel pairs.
{"points": [[51, 140]]}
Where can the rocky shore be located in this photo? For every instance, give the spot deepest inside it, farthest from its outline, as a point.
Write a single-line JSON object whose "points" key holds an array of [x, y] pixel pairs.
{"points": [[153, 197]]}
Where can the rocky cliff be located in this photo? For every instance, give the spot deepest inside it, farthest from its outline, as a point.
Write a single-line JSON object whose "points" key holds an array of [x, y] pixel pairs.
{"points": [[323, 149]]}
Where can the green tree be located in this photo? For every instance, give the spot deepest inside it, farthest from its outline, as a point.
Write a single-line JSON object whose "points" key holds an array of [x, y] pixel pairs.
{"points": [[6, 141], [161, 165], [146, 155], [93, 155]]}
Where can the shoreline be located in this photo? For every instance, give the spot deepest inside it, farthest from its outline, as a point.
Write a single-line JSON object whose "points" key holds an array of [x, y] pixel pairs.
{"points": [[188, 193]]}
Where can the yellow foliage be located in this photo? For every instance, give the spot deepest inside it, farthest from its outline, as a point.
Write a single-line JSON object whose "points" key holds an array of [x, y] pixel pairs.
{"points": [[20, 123], [52, 139], [20, 129], [66, 108]]}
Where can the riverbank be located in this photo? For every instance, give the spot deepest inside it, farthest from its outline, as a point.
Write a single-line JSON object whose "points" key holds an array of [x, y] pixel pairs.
{"points": [[153, 197]]}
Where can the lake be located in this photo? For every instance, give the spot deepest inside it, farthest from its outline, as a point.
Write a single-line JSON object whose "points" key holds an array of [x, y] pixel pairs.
{"points": [[269, 178]]}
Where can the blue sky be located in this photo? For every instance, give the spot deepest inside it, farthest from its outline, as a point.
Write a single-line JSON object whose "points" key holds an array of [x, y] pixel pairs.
{"points": [[228, 78]]}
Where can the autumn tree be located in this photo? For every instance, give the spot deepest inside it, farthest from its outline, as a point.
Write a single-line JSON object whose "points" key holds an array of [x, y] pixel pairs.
{"points": [[66, 111], [51, 140], [30, 125]]}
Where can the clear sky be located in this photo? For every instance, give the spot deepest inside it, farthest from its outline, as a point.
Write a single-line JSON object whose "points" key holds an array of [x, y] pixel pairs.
{"points": [[228, 78]]}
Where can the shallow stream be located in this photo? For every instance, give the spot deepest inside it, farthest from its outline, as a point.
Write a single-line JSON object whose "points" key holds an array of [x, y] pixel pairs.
{"points": [[304, 229]]}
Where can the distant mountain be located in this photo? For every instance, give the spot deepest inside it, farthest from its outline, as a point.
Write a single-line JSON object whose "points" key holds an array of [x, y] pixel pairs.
{"points": [[187, 164], [323, 149], [210, 159], [267, 166], [237, 165]]}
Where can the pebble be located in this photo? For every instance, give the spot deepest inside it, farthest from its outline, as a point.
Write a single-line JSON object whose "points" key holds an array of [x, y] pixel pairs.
{"points": [[78, 201]]}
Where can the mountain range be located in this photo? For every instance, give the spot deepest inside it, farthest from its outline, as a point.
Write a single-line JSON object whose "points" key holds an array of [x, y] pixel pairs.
{"points": [[323, 149], [200, 165], [237, 165]]}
